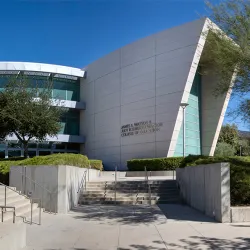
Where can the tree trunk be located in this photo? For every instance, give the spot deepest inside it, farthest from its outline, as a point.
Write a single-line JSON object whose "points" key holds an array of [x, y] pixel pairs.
{"points": [[25, 148]]}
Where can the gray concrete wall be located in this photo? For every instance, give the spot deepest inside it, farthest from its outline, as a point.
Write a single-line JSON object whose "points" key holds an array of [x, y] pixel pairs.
{"points": [[240, 214], [143, 81], [213, 111], [62, 182], [207, 189]]}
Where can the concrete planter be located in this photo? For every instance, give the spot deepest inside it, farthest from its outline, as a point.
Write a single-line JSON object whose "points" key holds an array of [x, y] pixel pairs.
{"points": [[240, 214], [207, 189], [56, 186]]}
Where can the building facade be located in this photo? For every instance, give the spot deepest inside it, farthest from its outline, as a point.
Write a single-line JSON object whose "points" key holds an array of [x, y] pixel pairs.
{"points": [[127, 104], [66, 88], [133, 97]]}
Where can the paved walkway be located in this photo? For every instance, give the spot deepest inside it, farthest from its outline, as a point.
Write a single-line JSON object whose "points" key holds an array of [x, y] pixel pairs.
{"points": [[135, 228]]}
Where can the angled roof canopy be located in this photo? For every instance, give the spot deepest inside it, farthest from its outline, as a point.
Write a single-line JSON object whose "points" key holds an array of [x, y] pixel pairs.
{"points": [[41, 67]]}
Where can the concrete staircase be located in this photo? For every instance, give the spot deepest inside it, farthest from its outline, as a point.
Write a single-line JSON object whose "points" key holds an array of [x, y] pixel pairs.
{"points": [[130, 192], [21, 203]]}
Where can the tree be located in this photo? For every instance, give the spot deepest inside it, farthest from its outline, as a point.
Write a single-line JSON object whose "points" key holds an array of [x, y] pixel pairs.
{"points": [[229, 135], [4, 128], [229, 50], [230, 143], [27, 116], [243, 148], [224, 149]]}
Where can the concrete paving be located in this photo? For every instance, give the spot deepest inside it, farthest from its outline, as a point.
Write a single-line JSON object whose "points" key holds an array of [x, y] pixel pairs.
{"points": [[135, 228]]}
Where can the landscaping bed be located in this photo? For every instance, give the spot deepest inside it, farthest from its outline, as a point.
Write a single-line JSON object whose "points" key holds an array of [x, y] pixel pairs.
{"points": [[54, 159]]}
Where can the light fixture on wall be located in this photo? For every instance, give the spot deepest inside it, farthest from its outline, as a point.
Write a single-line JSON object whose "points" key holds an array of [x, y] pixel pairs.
{"points": [[184, 105]]}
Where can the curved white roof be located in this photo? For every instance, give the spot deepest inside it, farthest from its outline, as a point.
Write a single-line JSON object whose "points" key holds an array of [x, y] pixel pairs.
{"points": [[41, 67]]}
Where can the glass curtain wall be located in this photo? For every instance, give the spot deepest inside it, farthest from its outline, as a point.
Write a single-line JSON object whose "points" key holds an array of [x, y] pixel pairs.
{"points": [[193, 122], [63, 89], [70, 122], [15, 149]]}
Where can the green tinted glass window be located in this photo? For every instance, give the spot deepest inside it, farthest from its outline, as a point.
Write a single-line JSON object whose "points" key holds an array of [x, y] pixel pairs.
{"points": [[4, 79], [73, 91], [59, 90], [70, 123], [65, 89], [193, 122]]}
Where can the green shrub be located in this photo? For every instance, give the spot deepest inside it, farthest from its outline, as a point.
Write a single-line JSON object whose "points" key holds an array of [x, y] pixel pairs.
{"points": [[154, 164], [19, 158], [53, 159], [96, 164], [224, 149], [58, 159], [239, 175], [4, 170]]}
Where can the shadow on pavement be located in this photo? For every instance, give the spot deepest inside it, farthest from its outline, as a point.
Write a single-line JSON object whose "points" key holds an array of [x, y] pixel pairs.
{"points": [[197, 243], [120, 214], [240, 225], [183, 213], [144, 247], [139, 214]]}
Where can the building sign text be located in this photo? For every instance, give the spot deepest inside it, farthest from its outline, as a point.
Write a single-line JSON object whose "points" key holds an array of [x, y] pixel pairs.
{"points": [[138, 128]]}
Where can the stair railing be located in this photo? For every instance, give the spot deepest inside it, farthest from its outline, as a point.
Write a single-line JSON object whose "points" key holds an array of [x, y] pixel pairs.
{"points": [[115, 182], [34, 184], [82, 183], [148, 184], [3, 208]]}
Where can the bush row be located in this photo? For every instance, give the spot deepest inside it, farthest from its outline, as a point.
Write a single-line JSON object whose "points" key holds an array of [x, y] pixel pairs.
{"points": [[154, 164], [54, 159], [239, 175], [96, 164]]}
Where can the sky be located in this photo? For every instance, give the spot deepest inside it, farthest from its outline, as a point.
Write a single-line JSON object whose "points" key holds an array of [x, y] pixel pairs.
{"points": [[77, 32]]}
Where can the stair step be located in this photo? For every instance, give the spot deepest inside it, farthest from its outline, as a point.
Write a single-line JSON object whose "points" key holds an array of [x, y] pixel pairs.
{"points": [[129, 197], [9, 193], [2, 188], [130, 186], [131, 202], [135, 182], [130, 192], [86, 198], [18, 203], [8, 216], [25, 207], [11, 199], [89, 184], [127, 188]]}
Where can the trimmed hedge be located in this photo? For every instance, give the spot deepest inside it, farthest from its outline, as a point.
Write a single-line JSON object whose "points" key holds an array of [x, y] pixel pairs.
{"points": [[58, 159], [154, 164], [53, 159], [96, 164]]}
